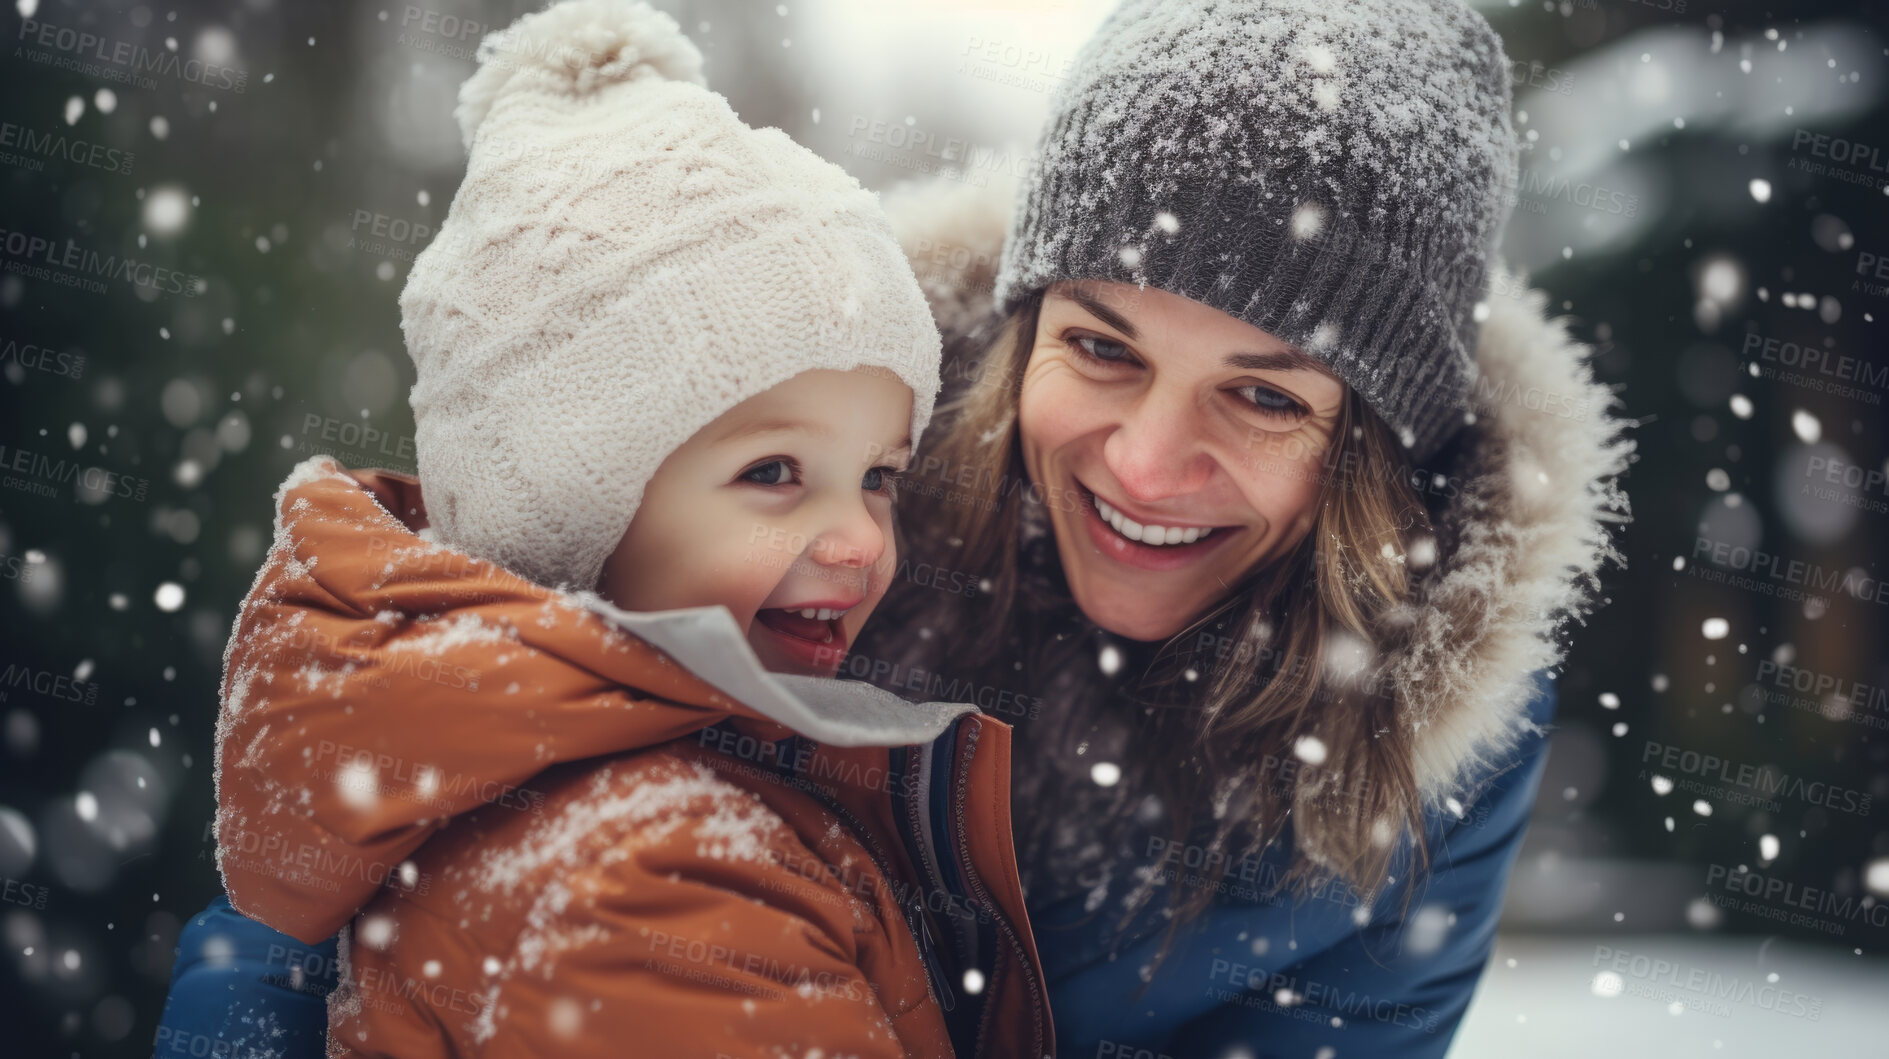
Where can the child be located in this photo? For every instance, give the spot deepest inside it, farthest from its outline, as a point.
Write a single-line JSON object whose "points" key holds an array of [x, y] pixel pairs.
{"points": [[677, 361]]}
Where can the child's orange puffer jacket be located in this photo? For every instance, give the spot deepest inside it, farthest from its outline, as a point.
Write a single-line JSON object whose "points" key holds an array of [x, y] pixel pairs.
{"points": [[552, 839]]}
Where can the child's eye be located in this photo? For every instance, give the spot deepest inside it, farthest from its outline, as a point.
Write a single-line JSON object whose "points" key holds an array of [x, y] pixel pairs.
{"points": [[881, 480], [774, 472], [1271, 402]]}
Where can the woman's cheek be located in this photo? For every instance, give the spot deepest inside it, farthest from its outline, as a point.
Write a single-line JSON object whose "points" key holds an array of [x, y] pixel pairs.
{"points": [[1054, 401], [1281, 480]]}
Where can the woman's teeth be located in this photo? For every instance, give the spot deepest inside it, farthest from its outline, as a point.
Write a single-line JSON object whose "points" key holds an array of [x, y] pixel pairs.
{"points": [[817, 613], [1135, 531]]}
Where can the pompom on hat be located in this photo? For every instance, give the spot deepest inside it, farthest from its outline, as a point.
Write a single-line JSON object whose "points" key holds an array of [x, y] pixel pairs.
{"points": [[624, 262]]}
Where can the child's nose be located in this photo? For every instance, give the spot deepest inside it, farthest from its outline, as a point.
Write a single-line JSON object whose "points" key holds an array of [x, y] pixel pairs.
{"points": [[854, 539]]}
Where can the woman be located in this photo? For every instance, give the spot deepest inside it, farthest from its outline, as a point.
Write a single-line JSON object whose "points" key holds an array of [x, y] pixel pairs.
{"points": [[1278, 493]]}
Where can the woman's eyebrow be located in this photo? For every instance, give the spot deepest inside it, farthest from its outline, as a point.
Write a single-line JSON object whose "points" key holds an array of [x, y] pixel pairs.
{"points": [[1088, 300], [1277, 360]]}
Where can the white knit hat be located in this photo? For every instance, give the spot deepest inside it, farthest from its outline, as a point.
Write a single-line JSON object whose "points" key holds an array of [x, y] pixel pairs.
{"points": [[624, 262]]}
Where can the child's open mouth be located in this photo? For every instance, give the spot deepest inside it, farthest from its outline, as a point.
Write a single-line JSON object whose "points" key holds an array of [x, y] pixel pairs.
{"points": [[812, 633]]}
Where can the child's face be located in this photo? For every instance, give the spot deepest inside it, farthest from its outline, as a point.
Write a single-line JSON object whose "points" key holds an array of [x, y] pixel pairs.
{"points": [[782, 504]]}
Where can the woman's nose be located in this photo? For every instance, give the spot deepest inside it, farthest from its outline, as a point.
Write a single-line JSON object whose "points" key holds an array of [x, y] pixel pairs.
{"points": [[1158, 450]]}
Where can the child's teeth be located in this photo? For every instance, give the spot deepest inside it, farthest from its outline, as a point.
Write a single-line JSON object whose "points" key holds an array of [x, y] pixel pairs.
{"points": [[1135, 531]]}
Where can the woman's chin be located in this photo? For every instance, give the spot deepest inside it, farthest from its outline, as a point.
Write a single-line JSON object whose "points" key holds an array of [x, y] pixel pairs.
{"points": [[1127, 614]]}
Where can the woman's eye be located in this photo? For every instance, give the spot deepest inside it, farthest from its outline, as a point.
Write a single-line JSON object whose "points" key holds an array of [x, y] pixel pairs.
{"points": [[773, 472], [1271, 402], [1095, 347]]}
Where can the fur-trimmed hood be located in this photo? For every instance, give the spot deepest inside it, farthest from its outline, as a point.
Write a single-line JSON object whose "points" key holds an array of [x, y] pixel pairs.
{"points": [[1532, 493]]}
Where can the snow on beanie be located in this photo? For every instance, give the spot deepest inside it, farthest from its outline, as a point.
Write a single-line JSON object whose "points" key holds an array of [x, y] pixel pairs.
{"points": [[624, 262], [1331, 173]]}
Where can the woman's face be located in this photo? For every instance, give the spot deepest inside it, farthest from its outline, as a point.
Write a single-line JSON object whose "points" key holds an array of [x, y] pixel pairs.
{"points": [[1177, 447]]}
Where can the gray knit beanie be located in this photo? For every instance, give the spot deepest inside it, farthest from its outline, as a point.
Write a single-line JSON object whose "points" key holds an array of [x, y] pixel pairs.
{"points": [[1330, 173]]}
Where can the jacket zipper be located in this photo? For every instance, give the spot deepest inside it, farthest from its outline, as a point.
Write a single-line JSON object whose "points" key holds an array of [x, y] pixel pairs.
{"points": [[996, 914], [947, 996]]}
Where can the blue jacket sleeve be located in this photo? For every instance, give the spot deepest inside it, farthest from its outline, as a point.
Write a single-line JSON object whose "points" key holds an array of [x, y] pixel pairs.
{"points": [[1400, 985], [240, 990]]}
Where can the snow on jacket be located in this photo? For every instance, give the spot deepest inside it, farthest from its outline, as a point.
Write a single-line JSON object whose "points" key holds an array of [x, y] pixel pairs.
{"points": [[1529, 499], [547, 834]]}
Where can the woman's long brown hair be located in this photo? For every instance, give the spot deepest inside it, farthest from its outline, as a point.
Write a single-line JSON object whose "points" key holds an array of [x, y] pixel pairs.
{"points": [[1293, 674]]}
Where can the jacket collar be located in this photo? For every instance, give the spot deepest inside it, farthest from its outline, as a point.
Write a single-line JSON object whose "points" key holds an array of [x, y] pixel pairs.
{"points": [[361, 531]]}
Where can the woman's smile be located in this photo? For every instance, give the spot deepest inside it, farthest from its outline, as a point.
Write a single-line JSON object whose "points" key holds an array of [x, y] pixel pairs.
{"points": [[1133, 542]]}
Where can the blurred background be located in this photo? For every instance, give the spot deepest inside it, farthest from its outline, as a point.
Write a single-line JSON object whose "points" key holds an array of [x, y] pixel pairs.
{"points": [[1703, 194]]}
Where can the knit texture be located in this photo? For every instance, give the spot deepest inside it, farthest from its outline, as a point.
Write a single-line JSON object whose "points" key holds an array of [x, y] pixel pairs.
{"points": [[624, 262], [1330, 173]]}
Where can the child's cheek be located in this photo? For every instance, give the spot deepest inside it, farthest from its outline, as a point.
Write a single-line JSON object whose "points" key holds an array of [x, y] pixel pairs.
{"points": [[875, 592]]}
